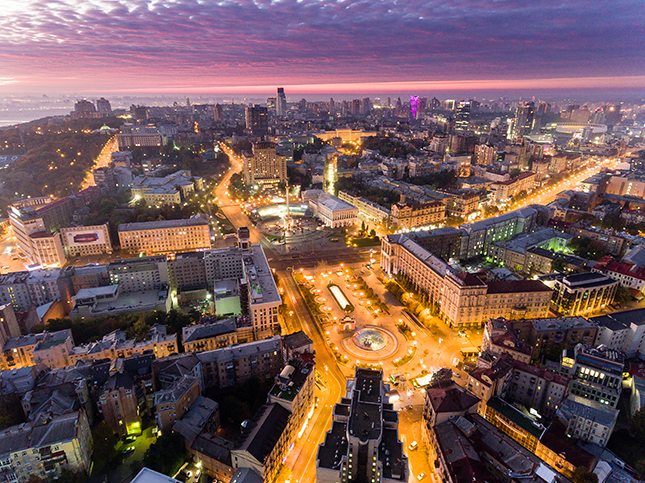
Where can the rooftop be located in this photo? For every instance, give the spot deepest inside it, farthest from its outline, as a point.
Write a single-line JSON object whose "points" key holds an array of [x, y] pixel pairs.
{"points": [[149, 476], [263, 431], [197, 220], [193, 421], [516, 416], [193, 333], [620, 320]]}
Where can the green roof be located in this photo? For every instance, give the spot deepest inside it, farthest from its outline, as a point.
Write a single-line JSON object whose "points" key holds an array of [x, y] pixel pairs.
{"points": [[516, 416]]}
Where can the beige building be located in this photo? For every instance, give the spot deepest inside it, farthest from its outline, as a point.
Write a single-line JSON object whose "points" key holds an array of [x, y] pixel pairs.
{"points": [[263, 166], [171, 189], [47, 249], [50, 348], [171, 404], [461, 298], [45, 447], [209, 336], [406, 216], [167, 236], [80, 241], [505, 190]]}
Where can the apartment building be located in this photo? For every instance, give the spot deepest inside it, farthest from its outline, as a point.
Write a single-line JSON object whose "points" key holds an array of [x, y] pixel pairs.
{"points": [[462, 298], [171, 404], [364, 430], [233, 365], [167, 236], [49, 348], [119, 403], [627, 274], [208, 336], [408, 216], [45, 447], [505, 190]]}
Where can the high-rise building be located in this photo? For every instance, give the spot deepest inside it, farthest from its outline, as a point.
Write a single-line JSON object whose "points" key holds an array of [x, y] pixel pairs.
{"points": [[104, 107], [363, 443], [271, 104], [218, 113], [257, 120], [524, 117], [104, 179], [462, 115], [264, 166], [281, 103], [84, 109]]}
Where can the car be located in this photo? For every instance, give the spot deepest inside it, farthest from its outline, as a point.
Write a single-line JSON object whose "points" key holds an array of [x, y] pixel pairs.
{"points": [[421, 476], [130, 439], [413, 445], [128, 450], [461, 333], [15, 258], [369, 267]]}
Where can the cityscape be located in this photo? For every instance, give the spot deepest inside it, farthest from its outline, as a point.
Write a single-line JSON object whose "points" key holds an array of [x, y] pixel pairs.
{"points": [[322, 242]]}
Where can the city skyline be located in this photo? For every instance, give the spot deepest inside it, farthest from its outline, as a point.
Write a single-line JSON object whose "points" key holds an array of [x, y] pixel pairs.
{"points": [[314, 47]]}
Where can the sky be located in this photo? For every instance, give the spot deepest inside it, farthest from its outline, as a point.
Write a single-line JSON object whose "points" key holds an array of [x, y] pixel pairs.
{"points": [[103, 47]]}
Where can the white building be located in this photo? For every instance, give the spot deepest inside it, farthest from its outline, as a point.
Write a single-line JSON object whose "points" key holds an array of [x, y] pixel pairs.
{"points": [[332, 211]]}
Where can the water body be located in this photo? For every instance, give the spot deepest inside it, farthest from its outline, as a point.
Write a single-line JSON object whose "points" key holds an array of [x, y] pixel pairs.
{"points": [[9, 118]]}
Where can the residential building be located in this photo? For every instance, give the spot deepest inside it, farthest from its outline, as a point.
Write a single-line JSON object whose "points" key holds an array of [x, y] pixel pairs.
{"points": [[49, 348], [167, 236], [45, 447], [110, 300], [445, 403], [479, 236], [171, 404], [104, 180], [208, 336], [364, 430], [512, 422], [628, 275], [119, 404], [230, 366], [505, 190], [202, 416], [139, 136], [536, 388], [444, 243], [407, 216], [47, 249], [263, 166], [500, 338], [621, 331], [607, 240], [582, 293], [294, 390], [264, 442], [487, 382], [587, 421], [80, 241], [557, 332]]}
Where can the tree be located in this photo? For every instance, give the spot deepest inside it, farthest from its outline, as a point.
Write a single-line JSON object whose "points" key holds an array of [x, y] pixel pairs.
{"points": [[105, 441], [622, 295], [69, 476], [637, 424], [167, 454], [582, 475]]}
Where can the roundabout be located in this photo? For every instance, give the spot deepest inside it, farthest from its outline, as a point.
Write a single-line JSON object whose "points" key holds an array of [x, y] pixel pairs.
{"points": [[371, 344]]}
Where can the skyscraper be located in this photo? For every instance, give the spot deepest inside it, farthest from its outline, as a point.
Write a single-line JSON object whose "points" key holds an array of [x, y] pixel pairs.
{"points": [[524, 116], [462, 115], [363, 443], [281, 103], [257, 120]]}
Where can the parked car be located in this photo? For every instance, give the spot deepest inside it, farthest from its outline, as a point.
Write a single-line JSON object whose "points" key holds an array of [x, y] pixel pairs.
{"points": [[413, 445], [421, 476], [128, 450]]}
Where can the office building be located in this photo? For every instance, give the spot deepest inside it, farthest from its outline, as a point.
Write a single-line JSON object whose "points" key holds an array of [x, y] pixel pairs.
{"points": [[263, 166], [332, 211], [167, 236], [363, 443], [596, 373], [505, 190], [161, 190], [139, 136], [281, 103], [80, 241], [582, 293], [257, 120], [462, 115], [463, 299]]}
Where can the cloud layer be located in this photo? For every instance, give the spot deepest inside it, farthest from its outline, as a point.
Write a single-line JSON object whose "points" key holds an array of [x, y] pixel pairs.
{"points": [[205, 45]]}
